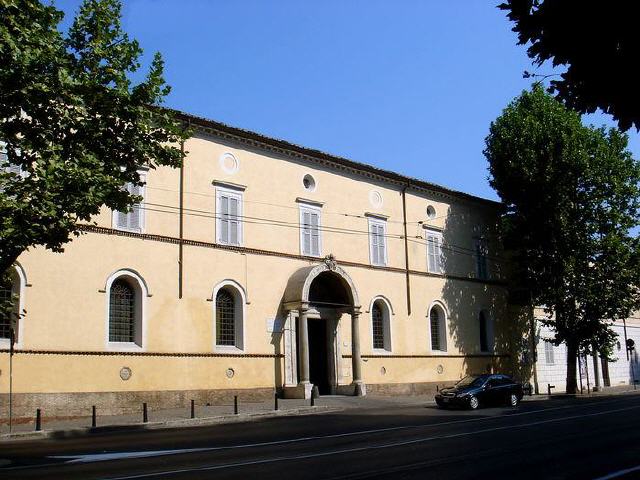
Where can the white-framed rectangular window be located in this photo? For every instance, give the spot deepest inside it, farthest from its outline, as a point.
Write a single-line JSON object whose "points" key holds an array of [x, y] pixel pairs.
{"points": [[434, 251], [377, 241], [548, 353], [481, 249], [133, 220], [229, 216], [310, 238]]}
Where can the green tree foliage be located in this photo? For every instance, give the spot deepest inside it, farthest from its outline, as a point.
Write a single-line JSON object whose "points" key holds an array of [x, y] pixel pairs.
{"points": [[75, 127], [599, 44], [571, 207]]}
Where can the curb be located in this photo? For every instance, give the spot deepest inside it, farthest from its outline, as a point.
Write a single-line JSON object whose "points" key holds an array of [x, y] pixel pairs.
{"points": [[186, 422]]}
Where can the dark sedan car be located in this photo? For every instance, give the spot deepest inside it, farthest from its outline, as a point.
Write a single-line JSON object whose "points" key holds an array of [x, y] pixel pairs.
{"points": [[475, 390]]}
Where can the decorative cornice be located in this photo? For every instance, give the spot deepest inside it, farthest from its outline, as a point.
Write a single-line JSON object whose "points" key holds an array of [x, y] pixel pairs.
{"points": [[141, 354], [229, 185], [291, 150], [308, 201]]}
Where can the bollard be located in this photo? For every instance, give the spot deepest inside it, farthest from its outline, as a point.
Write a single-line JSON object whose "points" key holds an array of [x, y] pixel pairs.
{"points": [[275, 406], [235, 404], [38, 420], [193, 409], [549, 387], [93, 417], [313, 399], [145, 416]]}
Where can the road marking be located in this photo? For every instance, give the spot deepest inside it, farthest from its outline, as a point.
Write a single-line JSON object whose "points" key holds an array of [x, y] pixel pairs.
{"points": [[365, 448], [100, 457], [619, 473]]}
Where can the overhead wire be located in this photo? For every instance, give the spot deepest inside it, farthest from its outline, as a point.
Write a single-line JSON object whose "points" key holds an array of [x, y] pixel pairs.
{"points": [[296, 225]]}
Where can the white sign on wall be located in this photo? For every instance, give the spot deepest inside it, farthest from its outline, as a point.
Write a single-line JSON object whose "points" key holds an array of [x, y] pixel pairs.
{"points": [[275, 325]]}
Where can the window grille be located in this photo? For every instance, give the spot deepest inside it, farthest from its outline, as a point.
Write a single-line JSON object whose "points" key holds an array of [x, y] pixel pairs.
{"points": [[434, 251], [378, 326], [122, 305], [434, 318], [5, 320], [225, 318]]}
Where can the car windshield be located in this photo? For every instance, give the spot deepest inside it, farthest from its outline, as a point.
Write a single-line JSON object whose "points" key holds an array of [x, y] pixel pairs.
{"points": [[471, 381]]}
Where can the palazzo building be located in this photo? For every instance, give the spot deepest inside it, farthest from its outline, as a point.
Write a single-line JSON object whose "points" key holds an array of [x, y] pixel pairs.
{"points": [[262, 266]]}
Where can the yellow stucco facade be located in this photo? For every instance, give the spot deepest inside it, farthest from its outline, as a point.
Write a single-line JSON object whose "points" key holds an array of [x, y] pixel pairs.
{"points": [[64, 360]]}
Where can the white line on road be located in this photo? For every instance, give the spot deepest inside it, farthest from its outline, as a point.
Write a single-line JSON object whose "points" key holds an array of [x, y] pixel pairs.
{"points": [[100, 457], [619, 473], [368, 447]]}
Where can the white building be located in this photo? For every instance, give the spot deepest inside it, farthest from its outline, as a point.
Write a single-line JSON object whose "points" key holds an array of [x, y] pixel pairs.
{"points": [[622, 369]]}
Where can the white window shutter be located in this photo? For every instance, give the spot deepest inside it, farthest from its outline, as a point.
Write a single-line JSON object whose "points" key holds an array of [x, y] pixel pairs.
{"points": [[136, 211], [306, 233], [121, 220], [223, 236], [132, 220], [233, 221], [374, 245], [315, 233], [434, 253], [381, 246]]}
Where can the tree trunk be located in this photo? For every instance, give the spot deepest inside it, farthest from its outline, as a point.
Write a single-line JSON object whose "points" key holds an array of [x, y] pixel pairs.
{"points": [[572, 354]]}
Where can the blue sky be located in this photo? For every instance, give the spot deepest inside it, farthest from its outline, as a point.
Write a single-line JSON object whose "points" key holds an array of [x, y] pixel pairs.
{"points": [[410, 86]]}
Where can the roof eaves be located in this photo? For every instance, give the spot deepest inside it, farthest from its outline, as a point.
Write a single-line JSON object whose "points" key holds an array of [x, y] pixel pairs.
{"points": [[313, 154]]}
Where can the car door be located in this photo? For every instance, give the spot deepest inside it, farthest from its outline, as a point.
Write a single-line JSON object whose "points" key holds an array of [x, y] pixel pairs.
{"points": [[490, 391], [503, 389]]}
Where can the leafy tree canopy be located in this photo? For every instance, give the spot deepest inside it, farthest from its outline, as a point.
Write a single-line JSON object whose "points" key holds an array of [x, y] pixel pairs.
{"points": [[571, 196], [74, 126], [598, 43]]}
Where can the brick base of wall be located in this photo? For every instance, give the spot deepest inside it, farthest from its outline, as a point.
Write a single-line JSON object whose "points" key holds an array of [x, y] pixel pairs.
{"points": [[387, 389], [67, 405]]}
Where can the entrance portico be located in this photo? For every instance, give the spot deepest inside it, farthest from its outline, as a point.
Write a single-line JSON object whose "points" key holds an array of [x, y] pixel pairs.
{"points": [[320, 294]]}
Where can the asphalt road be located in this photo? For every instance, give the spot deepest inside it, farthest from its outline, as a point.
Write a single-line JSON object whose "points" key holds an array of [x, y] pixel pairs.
{"points": [[557, 439]]}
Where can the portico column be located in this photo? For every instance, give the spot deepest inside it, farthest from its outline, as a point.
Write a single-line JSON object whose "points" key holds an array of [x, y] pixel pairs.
{"points": [[303, 351], [356, 367]]}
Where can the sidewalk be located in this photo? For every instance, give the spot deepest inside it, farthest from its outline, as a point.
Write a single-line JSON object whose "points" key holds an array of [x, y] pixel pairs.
{"points": [[205, 415], [247, 411]]}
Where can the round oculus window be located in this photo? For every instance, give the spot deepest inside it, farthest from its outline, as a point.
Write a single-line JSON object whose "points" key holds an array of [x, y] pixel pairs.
{"points": [[309, 183], [375, 198], [431, 212], [229, 163]]}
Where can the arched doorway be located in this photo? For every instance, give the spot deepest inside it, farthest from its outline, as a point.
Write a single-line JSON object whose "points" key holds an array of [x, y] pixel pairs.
{"points": [[315, 300], [328, 296]]}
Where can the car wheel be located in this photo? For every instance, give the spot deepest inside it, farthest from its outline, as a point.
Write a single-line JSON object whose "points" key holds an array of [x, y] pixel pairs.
{"points": [[473, 402], [513, 400]]}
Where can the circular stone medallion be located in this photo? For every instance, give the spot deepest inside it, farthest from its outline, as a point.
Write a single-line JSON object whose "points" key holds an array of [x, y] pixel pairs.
{"points": [[439, 369], [125, 373], [230, 372]]}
